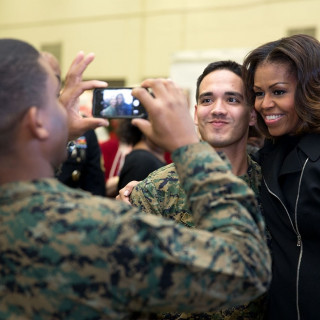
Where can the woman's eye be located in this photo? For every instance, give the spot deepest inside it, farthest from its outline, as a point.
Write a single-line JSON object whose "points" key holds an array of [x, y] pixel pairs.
{"points": [[279, 92], [258, 94]]}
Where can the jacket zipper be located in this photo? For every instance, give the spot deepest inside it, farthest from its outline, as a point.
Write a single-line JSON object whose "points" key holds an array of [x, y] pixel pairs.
{"points": [[297, 232]]}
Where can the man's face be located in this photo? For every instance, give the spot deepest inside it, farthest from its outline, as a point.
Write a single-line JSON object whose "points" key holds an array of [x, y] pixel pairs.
{"points": [[55, 120], [221, 115]]}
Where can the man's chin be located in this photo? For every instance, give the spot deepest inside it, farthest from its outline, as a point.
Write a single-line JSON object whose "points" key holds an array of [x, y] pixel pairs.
{"points": [[218, 143]]}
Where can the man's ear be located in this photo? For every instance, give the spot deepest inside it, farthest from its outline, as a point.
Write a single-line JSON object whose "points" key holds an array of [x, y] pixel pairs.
{"points": [[253, 118], [195, 116], [36, 123]]}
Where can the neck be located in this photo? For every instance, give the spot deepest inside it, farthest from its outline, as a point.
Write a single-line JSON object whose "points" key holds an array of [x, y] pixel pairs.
{"points": [[237, 155], [18, 168], [152, 148]]}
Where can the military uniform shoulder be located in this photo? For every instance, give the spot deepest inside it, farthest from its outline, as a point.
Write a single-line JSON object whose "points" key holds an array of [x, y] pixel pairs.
{"points": [[51, 196], [254, 164], [169, 169], [160, 179], [254, 171]]}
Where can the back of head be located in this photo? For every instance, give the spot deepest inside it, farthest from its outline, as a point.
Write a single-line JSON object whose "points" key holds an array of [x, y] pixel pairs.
{"points": [[128, 133], [302, 54], [22, 85], [219, 65]]}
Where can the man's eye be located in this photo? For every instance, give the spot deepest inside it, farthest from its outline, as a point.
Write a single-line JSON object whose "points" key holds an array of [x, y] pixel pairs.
{"points": [[233, 100], [206, 100]]}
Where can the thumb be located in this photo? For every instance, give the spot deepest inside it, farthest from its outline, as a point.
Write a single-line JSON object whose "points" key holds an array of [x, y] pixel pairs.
{"points": [[144, 126], [93, 123], [80, 126]]}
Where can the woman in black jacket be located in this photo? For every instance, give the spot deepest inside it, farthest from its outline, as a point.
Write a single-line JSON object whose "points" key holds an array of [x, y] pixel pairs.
{"points": [[282, 79]]}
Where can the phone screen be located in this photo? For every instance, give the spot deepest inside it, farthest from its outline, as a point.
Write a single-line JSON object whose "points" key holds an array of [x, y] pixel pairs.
{"points": [[116, 103]]}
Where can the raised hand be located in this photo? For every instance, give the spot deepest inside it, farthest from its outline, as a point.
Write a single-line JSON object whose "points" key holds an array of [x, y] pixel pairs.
{"points": [[170, 124], [73, 88]]}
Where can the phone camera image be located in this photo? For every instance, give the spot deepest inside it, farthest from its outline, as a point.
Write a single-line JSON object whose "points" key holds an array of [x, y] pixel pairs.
{"points": [[116, 103]]}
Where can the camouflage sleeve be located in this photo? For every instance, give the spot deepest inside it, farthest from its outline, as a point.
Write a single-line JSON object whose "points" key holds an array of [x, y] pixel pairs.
{"points": [[68, 255], [161, 194], [169, 267], [148, 195]]}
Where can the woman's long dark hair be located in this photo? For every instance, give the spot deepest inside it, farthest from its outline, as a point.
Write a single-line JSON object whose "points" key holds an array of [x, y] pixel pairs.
{"points": [[302, 55]]}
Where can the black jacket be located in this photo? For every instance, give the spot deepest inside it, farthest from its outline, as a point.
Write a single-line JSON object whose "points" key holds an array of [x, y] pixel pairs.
{"points": [[290, 195], [83, 168]]}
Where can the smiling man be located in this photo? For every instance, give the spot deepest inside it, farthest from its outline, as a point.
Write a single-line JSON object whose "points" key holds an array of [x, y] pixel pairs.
{"points": [[221, 114], [223, 119]]}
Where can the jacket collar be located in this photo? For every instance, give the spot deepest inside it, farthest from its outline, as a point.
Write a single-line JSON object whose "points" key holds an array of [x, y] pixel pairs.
{"points": [[275, 162], [282, 157], [310, 145]]}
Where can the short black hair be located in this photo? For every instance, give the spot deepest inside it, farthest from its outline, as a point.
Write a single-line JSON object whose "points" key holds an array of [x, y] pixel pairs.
{"points": [[22, 84], [219, 65], [128, 133]]}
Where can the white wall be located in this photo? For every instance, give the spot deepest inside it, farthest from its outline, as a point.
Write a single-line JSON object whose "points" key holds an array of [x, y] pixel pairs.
{"points": [[135, 39], [187, 66]]}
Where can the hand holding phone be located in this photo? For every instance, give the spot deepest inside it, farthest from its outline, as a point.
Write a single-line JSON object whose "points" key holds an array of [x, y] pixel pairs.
{"points": [[116, 103], [170, 124]]}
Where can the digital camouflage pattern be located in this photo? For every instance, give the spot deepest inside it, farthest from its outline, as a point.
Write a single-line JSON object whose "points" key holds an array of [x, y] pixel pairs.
{"points": [[254, 310], [162, 194], [68, 255]]}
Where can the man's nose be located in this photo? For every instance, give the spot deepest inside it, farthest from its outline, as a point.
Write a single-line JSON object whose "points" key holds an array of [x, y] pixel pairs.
{"points": [[218, 107]]}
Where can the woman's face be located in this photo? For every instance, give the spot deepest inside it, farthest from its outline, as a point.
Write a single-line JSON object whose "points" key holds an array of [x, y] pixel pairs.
{"points": [[119, 98], [275, 87]]}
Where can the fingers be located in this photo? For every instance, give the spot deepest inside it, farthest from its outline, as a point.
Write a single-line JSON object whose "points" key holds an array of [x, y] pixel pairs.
{"points": [[74, 87], [144, 126], [165, 92], [82, 64], [92, 84], [159, 88], [79, 65], [85, 62], [144, 96], [81, 125], [125, 192], [170, 124], [72, 91], [79, 57]]}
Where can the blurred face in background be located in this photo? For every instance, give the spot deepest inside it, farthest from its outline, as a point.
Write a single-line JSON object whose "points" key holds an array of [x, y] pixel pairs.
{"points": [[113, 102], [120, 99]]}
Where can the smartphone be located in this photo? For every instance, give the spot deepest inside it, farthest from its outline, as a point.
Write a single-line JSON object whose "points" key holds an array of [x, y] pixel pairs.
{"points": [[116, 103]]}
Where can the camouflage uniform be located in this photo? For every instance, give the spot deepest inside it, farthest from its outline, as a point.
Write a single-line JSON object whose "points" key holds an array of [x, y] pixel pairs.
{"points": [[66, 254], [162, 194]]}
